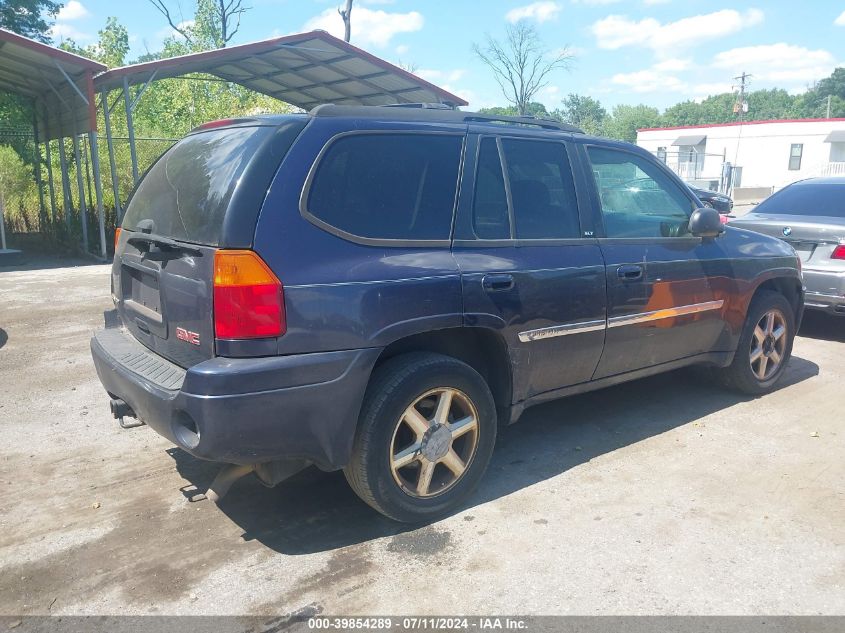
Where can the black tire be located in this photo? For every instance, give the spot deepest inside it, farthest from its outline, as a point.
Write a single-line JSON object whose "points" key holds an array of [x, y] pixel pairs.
{"points": [[740, 375], [394, 387]]}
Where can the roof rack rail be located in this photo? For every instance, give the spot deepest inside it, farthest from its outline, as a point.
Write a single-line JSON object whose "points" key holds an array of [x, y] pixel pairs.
{"points": [[526, 119], [424, 106], [437, 113]]}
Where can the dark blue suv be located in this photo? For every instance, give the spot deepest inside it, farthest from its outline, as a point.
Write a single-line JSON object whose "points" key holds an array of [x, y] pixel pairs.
{"points": [[378, 289]]}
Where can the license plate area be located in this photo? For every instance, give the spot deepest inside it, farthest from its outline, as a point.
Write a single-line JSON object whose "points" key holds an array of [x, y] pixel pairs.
{"points": [[141, 290]]}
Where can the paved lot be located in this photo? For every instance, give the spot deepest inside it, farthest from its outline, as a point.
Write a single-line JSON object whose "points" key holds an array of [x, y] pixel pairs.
{"points": [[662, 496]]}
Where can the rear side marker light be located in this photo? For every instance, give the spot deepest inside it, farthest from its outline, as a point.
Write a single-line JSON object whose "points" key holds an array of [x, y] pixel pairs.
{"points": [[116, 238], [248, 298], [838, 252]]}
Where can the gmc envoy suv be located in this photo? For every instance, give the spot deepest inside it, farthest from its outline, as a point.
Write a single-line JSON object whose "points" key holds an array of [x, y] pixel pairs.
{"points": [[379, 289]]}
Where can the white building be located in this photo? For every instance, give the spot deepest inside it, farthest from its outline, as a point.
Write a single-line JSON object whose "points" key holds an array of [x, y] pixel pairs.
{"points": [[764, 154]]}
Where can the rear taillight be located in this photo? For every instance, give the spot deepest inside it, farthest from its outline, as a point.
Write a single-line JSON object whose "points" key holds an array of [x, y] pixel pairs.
{"points": [[116, 238], [838, 252], [248, 298]]}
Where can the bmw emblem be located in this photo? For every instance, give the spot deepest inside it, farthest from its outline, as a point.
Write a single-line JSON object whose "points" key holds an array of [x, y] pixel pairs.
{"points": [[787, 231]]}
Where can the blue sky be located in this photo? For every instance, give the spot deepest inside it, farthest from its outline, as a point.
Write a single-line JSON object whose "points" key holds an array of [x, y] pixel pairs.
{"points": [[656, 52]]}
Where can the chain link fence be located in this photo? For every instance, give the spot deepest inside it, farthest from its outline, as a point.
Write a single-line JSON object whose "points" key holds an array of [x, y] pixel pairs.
{"points": [[69, 217]]}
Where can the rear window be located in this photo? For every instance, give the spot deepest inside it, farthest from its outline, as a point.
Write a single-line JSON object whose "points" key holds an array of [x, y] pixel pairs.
{"points": [[805, 200], [186, 192], [387, 186]]}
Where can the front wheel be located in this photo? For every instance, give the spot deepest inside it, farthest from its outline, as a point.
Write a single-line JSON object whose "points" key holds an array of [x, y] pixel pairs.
{"points": [[765, 345], [425, 437]]}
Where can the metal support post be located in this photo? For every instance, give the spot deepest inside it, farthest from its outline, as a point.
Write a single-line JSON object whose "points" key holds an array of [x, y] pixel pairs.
{"points": [[80, 183], [131, 129], [98, 188], [115, 185]]}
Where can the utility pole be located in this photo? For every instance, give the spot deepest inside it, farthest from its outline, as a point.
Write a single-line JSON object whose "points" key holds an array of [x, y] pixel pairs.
{"points": [[740, 108], [828, 106], [741, 105]]}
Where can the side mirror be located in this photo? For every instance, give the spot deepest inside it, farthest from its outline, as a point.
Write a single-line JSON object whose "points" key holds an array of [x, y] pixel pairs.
{"points": [[706, 222]]}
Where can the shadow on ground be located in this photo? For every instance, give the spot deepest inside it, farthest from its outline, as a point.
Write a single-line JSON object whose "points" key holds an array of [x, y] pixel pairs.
{"points": [[316, 511], [3, 337], [823, 326]]}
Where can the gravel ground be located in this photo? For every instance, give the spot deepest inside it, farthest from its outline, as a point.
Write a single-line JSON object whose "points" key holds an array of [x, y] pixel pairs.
{"points": [[663, 496]]}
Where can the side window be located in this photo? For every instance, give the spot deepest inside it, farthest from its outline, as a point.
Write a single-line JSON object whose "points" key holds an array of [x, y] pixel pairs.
{"points": [[542, 190], [795, 152], [490, 202], [637, 198], [388, 186]]}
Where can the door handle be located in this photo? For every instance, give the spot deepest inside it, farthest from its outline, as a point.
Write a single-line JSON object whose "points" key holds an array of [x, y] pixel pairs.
{"points": [[630, 272], [497, 283]]}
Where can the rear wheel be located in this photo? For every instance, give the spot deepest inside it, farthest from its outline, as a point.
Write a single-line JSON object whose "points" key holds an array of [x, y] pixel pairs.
{"points": [[425, 437], [765, 345]]}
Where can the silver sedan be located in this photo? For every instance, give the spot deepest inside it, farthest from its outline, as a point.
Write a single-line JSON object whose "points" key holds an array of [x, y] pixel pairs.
{"points": [[809, 215]]}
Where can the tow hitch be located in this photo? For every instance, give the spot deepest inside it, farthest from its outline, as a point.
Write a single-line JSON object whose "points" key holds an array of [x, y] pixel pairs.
{"points": [[121, 410]]}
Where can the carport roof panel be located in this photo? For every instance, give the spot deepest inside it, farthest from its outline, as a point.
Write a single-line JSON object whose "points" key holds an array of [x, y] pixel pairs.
{"points": [[37, 71], [322, 64], [693, 139]]}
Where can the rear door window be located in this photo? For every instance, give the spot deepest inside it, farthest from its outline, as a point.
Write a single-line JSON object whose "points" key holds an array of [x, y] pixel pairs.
{"points": [[187, 191], [542, 190], [387, 186], [490, 219]]}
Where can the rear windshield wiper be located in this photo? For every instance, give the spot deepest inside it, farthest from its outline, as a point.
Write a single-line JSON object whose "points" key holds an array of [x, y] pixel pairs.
{"points": [[145, 240]]}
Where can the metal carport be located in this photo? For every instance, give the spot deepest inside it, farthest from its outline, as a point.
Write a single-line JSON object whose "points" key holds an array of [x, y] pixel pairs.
{"points": [[61, 88], [304, 70]]}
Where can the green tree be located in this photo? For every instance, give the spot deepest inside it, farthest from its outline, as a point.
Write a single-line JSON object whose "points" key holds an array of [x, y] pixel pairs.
{"points": [[814, 103], [29, 17], [111, 49], [583, 111], [625, 120], [534, 108]]}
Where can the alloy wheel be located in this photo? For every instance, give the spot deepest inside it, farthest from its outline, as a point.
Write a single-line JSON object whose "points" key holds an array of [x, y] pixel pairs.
{"points": [[768, 345], [434, 442]]}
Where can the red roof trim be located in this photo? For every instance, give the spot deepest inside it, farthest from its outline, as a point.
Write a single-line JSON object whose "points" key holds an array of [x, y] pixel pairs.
{"points": [[50, 51], [734, 123], [266, 45]]}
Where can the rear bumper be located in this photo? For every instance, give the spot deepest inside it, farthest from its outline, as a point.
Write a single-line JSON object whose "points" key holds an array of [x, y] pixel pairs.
{"points": [[825, 291], [245, 410]]}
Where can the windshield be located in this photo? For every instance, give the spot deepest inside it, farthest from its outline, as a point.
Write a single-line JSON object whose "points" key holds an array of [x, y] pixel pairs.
{"points": [[806, 200], [186, 192]]}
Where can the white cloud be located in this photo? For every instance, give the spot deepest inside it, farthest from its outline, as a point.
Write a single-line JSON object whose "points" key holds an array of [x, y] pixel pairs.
{"points": [[649, 80], [440, 75], [402, 49], [73, 10], [596, 3], [540, 11], [369, 27], [673, 64], [840, 21], [61, 32], [168, 31], [649, 3], [617, 31], [707, 89], [779, 62]]}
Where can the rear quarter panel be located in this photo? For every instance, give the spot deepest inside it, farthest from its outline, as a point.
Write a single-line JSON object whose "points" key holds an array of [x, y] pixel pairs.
{"points": [[340, 294]]}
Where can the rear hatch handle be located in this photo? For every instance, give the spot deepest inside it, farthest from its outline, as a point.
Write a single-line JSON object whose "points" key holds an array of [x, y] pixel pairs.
{"points": [[145, 240]]}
